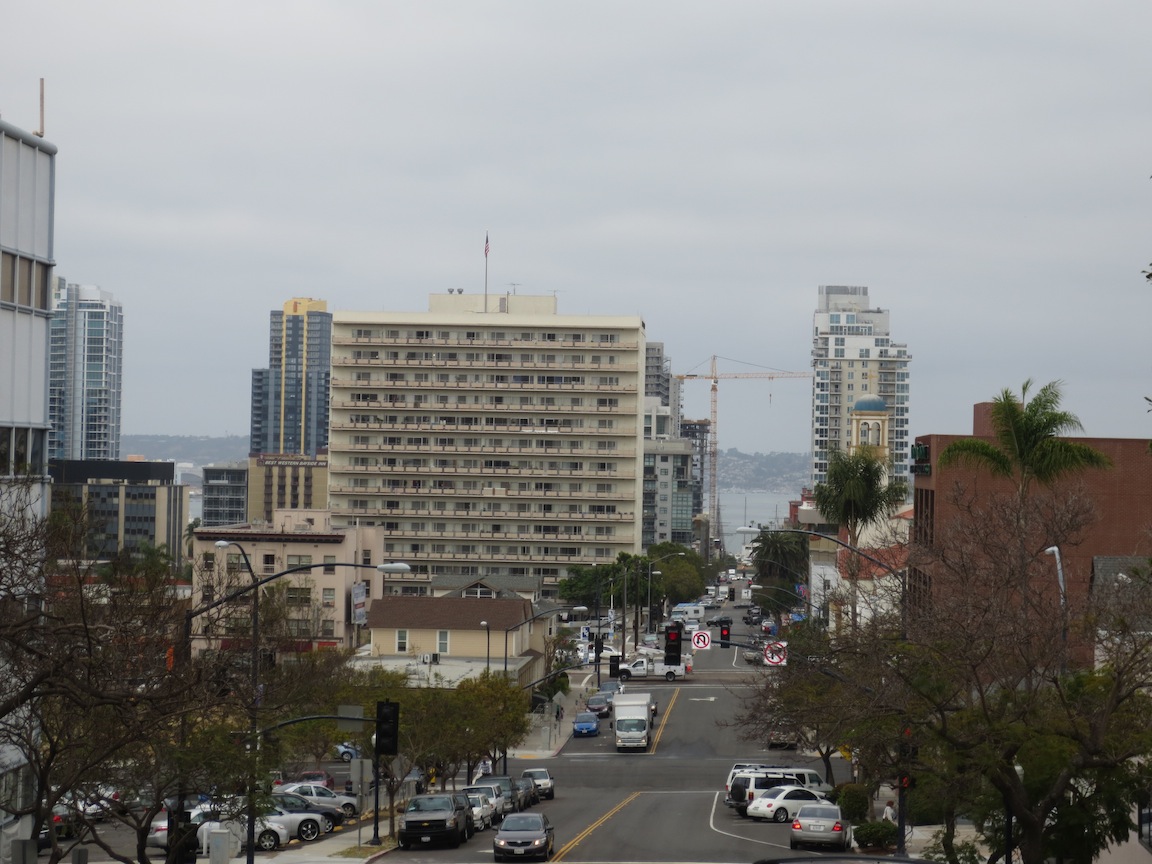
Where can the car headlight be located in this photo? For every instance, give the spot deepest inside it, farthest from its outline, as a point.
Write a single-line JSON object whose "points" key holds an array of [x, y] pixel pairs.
{"points": [[500, 842], [451, 820], [539, 841]]}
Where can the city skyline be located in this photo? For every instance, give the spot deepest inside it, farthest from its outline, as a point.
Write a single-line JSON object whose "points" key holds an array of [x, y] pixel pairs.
{"points": [[982, 170]]}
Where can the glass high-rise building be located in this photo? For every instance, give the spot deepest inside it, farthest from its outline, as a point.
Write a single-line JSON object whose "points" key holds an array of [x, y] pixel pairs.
{"points": [[85, 373], [290, 397]]}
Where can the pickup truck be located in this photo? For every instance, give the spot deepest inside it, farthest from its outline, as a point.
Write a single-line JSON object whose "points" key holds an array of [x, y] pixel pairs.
{"points": [[646, 667]]}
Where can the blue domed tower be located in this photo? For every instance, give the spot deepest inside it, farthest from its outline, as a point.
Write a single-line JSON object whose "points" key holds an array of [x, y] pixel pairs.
{"points": [[870, 423]]}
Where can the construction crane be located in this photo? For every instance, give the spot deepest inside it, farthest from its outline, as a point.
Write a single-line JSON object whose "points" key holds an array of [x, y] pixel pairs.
{"points": [[711, 447]]}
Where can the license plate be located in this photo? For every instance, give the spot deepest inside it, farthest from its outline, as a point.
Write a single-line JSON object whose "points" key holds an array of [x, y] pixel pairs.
{"points": [[815, 827], [425, 839], [519, 851]]}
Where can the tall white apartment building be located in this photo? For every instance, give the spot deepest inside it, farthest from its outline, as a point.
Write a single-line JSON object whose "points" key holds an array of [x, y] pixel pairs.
{"points": [[853, 354], [489, 438], [85, 373]]}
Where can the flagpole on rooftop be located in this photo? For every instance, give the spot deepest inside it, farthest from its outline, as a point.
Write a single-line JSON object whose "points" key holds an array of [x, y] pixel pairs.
{"points": [[485, 271]]}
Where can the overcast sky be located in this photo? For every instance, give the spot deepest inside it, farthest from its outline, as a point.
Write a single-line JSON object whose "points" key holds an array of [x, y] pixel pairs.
{"points": [[983, 167]]}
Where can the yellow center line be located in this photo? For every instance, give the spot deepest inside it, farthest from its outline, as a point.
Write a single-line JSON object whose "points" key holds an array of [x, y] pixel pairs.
{"points": [[575, 841], [660, 729]]}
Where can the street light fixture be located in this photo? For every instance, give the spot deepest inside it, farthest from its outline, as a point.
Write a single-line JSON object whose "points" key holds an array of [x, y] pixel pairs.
{"points": [[488, 658], [1055, 550], [651, 572]]}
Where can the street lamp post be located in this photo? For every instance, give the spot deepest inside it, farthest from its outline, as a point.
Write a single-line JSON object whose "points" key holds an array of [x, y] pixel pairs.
{"points": [[1055, 550], [488, 657], [650, 627], [651, 572]]}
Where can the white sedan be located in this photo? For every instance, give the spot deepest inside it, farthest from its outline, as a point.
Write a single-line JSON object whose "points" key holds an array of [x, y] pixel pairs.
{"points": [[779, 803], [482, 810], [270, 834]]}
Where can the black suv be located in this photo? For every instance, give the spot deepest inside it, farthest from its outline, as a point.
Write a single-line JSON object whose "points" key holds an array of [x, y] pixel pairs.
{"points": [[720, 620], [435, 816]]}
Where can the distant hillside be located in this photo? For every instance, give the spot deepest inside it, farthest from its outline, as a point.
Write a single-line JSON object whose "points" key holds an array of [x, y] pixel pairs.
{"points": [[739, 472], [197, 449], [762, 472]]}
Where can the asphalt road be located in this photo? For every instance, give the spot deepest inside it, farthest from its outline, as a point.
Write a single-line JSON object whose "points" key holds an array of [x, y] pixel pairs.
{"points": [[663, 805]]}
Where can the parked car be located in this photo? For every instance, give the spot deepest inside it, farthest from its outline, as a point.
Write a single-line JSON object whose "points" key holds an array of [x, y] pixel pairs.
{"points": [[780, 802], [529, 794], [431, 818], [320, 776], [329, 817], [599, 705], [545, 782], [501, 803], [483, 813], [524, 835], [821, 824], [462, 803], [720, 621], [347, 751], [587, 723], [314, 793], [270, 833], [65, 824], [507, 787], [158, 830]]}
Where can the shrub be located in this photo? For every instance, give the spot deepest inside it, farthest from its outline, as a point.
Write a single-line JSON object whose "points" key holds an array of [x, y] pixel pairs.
{"points": [[875, 835], [854, 801]]}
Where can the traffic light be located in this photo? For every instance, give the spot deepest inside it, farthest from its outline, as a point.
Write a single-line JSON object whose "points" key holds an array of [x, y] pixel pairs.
{"points": [[599, 647], [672, 645], [907, 781], [614, 666], [725, 636], [387, 728]]}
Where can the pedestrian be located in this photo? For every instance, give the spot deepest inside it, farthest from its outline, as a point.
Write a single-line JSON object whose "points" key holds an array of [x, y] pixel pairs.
{"points": [[889, 812]]}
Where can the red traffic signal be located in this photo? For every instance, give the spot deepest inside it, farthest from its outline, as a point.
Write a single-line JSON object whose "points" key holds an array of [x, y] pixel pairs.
{"points": [[672, 636], [725, 636]]}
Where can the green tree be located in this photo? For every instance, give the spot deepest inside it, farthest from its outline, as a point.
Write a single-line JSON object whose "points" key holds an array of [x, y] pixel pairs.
{"points": [[781, 560], [1027, 443], [857, 494]]}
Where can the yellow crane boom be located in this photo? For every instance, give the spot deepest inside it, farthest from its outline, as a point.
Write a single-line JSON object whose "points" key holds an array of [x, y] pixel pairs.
{"points": [[711, 448]]}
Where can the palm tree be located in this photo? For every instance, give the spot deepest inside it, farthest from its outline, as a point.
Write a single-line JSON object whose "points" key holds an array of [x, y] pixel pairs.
{"points": [[857, 493], [780, 560], [1027, 445]]}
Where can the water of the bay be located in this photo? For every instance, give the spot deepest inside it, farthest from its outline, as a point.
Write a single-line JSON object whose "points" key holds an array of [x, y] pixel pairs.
{"points": [[751, 509]]}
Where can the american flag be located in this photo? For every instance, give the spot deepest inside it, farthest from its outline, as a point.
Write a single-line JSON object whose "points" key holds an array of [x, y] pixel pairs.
{"points": [[485, 245]]}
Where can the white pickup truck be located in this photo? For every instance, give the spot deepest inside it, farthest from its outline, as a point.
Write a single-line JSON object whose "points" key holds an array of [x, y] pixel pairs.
{"points": [[646, 667]]}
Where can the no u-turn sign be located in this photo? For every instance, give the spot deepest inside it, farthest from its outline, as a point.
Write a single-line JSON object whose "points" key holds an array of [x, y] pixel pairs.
{"points": [[776, 654]]}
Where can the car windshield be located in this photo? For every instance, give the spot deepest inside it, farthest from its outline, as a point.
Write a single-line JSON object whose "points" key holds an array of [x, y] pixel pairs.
{"points": [[540, 773], [475, 800], [521, 822], [426, 804], [773, 792], [586, 718]]}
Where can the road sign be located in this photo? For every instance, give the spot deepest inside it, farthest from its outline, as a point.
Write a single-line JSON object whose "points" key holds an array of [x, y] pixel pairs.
{"points": [[585, 633], [701, 640], [776, 654]]}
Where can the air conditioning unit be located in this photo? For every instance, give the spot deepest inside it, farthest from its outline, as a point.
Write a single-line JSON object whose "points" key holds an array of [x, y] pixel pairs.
{"points": [[435, 659], [425, 658]]}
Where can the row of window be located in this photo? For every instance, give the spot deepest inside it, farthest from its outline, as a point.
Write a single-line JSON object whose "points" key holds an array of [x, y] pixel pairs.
{"points": [[485, 335], [491, 549], [441, 506]]}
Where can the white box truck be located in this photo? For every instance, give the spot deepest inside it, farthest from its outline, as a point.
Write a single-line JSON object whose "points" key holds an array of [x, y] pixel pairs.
{"points": [[632, 721]]}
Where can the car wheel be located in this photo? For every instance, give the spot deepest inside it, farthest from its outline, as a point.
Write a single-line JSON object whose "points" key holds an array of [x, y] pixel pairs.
{"points": [[781, 815], [346, 756], [670, 676], [792, 844], [267, 841], [624, 676], [309, 830], [327, 825], [404, 843], [458, 838], [349, 810]]}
